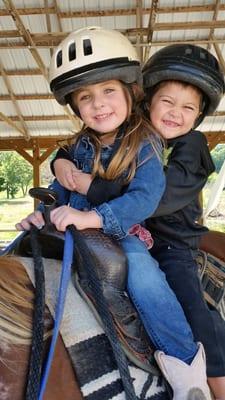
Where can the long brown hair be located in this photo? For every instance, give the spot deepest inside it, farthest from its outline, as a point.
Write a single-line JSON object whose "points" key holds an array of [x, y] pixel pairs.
{"points": [[137, 129]]}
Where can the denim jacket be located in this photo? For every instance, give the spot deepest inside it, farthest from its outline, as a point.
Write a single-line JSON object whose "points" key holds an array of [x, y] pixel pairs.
{"points": [[139, 200]]}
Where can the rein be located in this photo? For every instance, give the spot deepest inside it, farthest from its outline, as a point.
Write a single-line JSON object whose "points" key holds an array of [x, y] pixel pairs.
{"points": [[64, 281], [36, 357]]}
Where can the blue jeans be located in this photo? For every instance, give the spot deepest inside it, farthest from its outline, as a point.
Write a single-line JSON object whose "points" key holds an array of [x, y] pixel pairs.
{"points": [[156, 303]]}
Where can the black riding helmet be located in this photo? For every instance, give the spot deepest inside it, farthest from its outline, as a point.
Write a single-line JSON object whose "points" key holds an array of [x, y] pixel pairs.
{"points": [[191, 64]]}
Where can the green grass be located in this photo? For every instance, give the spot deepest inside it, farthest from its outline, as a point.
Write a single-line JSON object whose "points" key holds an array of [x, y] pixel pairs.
{"points": [[11, 212]]}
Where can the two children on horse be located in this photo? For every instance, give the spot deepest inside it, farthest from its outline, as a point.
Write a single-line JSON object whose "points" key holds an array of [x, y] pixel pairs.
{"points": [[118, 145]]}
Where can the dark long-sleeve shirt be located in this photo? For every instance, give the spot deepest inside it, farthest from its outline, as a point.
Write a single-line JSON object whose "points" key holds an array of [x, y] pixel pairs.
{"points": [[188, 168]]}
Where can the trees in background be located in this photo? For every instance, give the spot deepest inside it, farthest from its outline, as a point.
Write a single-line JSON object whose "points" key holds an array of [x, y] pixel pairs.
{"points": [[15, 174]]}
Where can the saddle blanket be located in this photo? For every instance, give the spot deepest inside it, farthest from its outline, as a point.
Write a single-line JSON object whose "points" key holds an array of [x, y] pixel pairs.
{"points": [[88, 346]]}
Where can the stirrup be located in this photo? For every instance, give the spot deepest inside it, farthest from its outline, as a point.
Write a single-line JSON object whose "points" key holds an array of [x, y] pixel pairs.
{"points": [[136, 348]]}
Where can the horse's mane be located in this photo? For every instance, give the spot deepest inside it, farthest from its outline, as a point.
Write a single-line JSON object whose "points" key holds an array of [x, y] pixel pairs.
{"points": [[16, 303]]}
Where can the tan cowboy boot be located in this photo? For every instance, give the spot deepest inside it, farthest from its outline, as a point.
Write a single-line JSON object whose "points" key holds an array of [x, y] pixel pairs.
{"points": [[196, 394], [186, 380]]}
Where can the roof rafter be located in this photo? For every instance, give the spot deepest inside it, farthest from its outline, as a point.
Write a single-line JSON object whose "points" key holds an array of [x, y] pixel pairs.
{"points": [[11, 123], [219, 56], [48, 22], [52, 39], [157, 43], [148, 27], [31, 46], [6, 80], [25, 34], [139, 24], [151, 27], [57, 12], [215, 14], [43, 96], [17, 143], [108, 13]]}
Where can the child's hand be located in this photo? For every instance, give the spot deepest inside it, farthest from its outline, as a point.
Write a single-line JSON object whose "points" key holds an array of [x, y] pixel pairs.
{"points": [[35, 218], [63, 216], [71, 177], [82, 181], [64, 173]]}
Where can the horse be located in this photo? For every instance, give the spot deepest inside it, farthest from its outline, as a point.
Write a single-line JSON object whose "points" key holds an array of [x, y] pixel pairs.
{"points": [[71, 368], [85, 354], [16, 307]]}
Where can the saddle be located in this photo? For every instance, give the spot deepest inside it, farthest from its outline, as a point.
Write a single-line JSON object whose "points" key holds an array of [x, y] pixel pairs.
{"points": [[110, 266]]}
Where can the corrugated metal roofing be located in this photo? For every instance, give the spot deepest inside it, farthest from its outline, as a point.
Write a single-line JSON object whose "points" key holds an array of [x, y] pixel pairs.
{"points": [[201, 22]]}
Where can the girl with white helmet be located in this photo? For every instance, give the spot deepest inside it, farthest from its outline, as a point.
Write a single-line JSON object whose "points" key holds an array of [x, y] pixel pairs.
{"points": [[97, 72]]}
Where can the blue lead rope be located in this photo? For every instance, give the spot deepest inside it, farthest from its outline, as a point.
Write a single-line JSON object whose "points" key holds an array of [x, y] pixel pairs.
{"points": [[64, 281], [11, 246]]}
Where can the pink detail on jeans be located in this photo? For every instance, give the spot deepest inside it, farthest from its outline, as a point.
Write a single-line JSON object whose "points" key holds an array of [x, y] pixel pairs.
{"points": [[143, 234]]}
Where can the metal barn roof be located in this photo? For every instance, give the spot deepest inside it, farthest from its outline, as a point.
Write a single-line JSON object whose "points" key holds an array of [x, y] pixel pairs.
{"points": [[30, 29]]}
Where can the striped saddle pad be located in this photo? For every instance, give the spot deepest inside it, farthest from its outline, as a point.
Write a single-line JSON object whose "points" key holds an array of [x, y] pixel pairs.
{"points": [[89, 348]]}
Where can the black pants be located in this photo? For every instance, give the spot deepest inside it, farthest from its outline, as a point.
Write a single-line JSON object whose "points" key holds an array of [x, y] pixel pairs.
{"points": [[207, 325]]}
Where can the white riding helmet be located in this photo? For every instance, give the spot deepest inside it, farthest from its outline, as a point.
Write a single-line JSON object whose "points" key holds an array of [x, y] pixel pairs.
{"points": [[91, 55]]}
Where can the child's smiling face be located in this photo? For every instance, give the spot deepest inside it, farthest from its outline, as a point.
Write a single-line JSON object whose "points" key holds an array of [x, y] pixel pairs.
{"points": [[102, 106], [174, 108]]}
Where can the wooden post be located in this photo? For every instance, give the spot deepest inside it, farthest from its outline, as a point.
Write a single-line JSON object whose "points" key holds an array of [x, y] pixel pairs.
{"points": [[36, 169]]}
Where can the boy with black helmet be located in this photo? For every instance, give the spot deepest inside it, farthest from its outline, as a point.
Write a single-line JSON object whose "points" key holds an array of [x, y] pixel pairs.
{"points": [[167, 75], [191, 64]]}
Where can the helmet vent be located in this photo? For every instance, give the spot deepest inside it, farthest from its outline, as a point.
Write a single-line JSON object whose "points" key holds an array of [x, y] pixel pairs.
{"points": [[59, 59], [203, 55], [72, 51], [87, 47], [188, 52]]}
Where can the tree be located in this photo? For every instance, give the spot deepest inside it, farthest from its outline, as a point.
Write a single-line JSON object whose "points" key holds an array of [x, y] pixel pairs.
{"points": [[15, 174], [25, 175], [2, 180], [9, 174]]}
